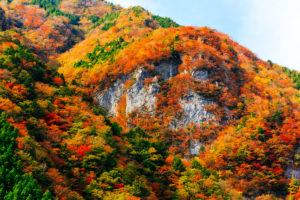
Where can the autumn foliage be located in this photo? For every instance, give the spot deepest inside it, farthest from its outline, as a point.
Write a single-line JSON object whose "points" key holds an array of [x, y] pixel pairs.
{"points": [[58, 54]]}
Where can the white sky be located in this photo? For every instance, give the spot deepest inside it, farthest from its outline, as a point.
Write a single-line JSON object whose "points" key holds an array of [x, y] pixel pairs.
{"points": [[269, 28]]}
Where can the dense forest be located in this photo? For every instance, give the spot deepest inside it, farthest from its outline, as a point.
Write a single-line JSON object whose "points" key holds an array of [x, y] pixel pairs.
{"points": [[102, 102]]}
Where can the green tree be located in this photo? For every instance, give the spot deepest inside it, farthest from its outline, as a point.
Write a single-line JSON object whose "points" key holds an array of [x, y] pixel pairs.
{"points": [[94, 18], [139, 189], [165, 22], [177, 164], [99, 159], [51, 6], [107, 18], [14, 182], [102, 54]]}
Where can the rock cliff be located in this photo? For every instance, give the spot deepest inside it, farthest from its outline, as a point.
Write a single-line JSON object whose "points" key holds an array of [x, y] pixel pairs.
{"points": [[142, 97]]}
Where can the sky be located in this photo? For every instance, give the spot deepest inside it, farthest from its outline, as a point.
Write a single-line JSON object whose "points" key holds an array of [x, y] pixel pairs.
{"points": [[269, 28]]}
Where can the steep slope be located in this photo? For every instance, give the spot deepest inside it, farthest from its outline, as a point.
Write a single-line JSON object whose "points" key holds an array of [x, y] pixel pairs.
{"points": [[194, 87], [179, 76], [52, 27], [133, 106]]}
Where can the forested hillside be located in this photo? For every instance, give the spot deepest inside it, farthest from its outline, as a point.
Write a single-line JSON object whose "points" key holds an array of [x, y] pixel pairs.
{"points": [[102, 102]]}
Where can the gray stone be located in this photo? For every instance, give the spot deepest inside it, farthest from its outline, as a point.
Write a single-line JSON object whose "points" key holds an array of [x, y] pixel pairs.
{"points": [[139, 97], [167, 69], [111, 97], [293, 170], [194, 109], [143, 98], [201, 75], [195, 147], [193, 106]]}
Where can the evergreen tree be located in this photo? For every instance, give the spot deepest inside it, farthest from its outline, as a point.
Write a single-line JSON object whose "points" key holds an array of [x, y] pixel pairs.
{"points": [[14, 182], [177, 164]]}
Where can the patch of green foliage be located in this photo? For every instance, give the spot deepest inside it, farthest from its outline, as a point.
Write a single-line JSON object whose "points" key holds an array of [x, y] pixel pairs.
{"points": [[14, 182], [137, 10], [94, 18], [101, 54], [51, 6], [177, 164], [107, 18], [16, 59], [294, 75], [145, 158], [13, 58], [199, 175], [108, 25], [140, 151], [165, 22], [25, 70]]}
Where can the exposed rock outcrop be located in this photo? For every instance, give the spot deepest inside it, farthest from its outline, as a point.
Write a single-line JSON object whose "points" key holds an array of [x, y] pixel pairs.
{"points": [[139, 97], [195, 147], [167, 69], [193, 106], [142, 97], [293, 170], [111, 97], [201, 75]]}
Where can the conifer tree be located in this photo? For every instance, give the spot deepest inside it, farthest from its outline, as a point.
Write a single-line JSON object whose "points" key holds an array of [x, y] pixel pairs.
{"points": [[14, 182]]}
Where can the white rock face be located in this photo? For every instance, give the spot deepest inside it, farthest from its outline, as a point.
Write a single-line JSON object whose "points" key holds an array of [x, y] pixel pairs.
{"points": [[139, 97], [111, 98], [293, 170], [167, 69], [143, 98], [195, 147], [194, 109], [201, 75]]}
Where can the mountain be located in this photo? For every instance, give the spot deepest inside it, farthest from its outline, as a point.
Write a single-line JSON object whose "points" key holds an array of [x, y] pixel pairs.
{"points": [[102, 102]]}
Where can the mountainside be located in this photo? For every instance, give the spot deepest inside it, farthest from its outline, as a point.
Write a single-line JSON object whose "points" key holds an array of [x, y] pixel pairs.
{"points": [[103, 102]]}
